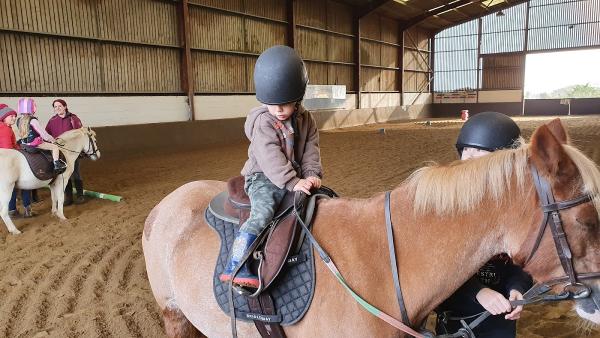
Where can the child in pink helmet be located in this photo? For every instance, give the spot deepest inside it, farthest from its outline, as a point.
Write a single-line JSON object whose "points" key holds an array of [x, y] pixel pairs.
{"points": [[32, 134]]}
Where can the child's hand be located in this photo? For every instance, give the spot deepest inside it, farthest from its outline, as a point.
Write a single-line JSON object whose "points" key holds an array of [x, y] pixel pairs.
{"points": [[303, 185], [316, 182]]}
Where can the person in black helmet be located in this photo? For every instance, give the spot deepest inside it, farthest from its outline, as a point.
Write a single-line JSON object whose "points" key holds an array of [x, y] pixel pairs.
{"points": [[284, 150], [499, 280]]}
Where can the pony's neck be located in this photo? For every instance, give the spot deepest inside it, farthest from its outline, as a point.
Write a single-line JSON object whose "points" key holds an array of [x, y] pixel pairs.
{"points": [[439, 253]]}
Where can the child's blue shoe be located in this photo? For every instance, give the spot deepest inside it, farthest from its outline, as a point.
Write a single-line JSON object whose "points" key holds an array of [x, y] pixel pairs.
{"points": [[244, 277]]}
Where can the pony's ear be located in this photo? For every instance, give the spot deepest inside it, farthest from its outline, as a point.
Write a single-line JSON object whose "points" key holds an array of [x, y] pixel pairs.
{"points": [[558, 130], [549, 157]]}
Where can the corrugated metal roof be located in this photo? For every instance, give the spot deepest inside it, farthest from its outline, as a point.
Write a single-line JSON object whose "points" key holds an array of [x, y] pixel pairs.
{"points": [[433, 15]]}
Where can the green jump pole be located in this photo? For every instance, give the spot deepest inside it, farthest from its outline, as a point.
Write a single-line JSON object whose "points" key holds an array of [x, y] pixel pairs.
{"points": [[109, 197], [95, 194]]}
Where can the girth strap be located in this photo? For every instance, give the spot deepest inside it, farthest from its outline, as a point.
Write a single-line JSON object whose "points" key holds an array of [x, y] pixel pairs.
{"points": [[263, 304], [394, 264]]}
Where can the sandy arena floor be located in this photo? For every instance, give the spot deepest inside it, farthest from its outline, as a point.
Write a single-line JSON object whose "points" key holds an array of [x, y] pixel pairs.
{"points": [[86, 276]]}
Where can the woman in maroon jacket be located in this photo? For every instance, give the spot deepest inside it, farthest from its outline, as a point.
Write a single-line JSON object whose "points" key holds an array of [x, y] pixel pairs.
{"points": [[58, 124], [8, 141]]}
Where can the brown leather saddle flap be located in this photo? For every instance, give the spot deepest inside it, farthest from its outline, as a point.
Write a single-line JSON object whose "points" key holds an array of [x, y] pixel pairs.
{"points": [[280, 237], [277, 249], [40, 162]]}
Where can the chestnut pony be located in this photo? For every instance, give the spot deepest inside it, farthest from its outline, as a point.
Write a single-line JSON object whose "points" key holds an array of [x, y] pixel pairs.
{"points": [[448, 221]]}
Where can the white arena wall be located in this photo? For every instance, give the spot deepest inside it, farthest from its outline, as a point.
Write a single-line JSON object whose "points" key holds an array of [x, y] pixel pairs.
{"points": [[105, 111], [110, 111], [509, 102], [131, 124]]}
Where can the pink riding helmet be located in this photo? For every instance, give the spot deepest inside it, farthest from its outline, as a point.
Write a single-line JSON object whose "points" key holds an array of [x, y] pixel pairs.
{"points": [[26, 106]]}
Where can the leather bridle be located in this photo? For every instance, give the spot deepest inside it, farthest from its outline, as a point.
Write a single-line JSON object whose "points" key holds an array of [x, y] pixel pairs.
{"points": [[91, 145], [551, 209], [573, 289]]}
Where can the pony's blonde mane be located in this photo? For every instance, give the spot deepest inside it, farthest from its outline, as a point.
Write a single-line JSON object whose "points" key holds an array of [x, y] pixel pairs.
{"points": [[76, 132], [462, 185], [590, 174], [71, 133]]}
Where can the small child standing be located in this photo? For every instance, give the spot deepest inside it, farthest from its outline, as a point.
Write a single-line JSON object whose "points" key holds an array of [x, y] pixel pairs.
{"points": [[8, 141], [284, 150], [7, 119]]}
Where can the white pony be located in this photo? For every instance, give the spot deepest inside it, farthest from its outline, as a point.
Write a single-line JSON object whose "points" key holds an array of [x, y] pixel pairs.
{"points": [[16, 172]]}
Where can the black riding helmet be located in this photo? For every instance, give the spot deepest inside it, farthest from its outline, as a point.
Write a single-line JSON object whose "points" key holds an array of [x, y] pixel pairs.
{"points": [[488, 131], [280, 76]]}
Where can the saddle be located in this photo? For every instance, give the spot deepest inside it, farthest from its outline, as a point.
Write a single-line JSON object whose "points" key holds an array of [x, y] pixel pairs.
{"points": [[279, 239], [40, 161], [283, 260]]}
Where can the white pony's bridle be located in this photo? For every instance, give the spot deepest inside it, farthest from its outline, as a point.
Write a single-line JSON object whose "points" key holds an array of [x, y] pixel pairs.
{"points": [[92, 151]]}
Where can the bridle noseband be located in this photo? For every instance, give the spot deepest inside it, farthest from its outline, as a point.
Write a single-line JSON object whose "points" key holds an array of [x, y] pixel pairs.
{"points": [[91, 145], [551, 210]]}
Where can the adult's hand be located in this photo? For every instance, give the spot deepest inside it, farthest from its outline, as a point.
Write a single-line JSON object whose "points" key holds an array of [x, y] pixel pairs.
{"points": [[516, 312]]}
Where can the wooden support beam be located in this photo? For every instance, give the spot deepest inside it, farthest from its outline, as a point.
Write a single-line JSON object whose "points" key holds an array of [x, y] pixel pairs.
{"points": [[432, 58], [187, 77], [465, 15], [291, 23], [415, 45], [479, 63], [401, 65], [428, 60], [371, 7], [525, 49], [491, 10], [357, 79], [438, 10]]}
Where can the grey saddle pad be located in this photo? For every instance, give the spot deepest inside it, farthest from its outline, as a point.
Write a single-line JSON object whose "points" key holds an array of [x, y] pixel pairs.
{"points": [[292, 291]]}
